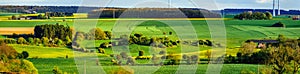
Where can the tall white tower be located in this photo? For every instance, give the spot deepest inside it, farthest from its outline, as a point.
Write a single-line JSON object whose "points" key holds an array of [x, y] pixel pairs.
{"points": [[274, 14], [278, 7]]}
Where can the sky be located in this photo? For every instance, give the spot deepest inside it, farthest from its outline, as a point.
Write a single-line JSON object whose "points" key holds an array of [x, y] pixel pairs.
{"points": [[206, 4]]}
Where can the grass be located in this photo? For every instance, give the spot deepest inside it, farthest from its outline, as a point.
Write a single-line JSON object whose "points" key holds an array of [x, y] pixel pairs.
{"points": [[50, 57], [44, 52], [45, 66]]}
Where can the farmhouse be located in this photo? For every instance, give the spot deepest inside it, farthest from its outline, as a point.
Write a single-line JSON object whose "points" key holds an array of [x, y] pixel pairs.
{"points": [[296, 17], [275, 43], [264, 43]]}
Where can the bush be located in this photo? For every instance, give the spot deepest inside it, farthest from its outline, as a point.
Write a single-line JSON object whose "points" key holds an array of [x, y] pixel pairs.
{"points": [[29, 67], [141, 53], [101, 50], [21, 40], [279, 24], [194, 59], [130, 61], [98, 34], [142, 58], [170, 33], [56, 70], [162, 52], [138, 35], [104, 45], [25, 54], [187, 59], [173, 59], [31, 40], [124, 55]]}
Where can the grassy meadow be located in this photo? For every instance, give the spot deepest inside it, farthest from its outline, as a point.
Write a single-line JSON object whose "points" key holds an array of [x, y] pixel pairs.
{"points": [[237, 31], [46, 61]]}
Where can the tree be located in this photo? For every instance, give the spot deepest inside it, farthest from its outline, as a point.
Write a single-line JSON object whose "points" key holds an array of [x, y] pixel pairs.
{"points": [[8, 51], [208, 55], [14, 17], [195, 59], [278, 24], [280, 59], [21, 40], [59, 42], [56, 70], [248, 48], [68, 41], [101, 50], [98, 34], [108, 34], [28, 67], [253, 16], [269, 15], [40, 16], [25, 54], [104, 45], [37, 41], [296, 61], [130, 61], [45, 40], [285, 57], [281, 38], [124, 55], [31, 40], [141, 53]]}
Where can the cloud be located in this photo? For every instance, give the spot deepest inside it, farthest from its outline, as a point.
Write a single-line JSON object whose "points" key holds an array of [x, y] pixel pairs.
{"points": [[263, 1]]}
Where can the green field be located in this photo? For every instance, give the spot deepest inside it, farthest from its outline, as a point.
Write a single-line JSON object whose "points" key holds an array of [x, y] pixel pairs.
{"points": [[237, 30], [45, 58]]}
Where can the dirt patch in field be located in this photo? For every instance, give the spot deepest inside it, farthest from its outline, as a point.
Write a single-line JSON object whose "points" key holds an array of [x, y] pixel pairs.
{"points": [[17, 30]]}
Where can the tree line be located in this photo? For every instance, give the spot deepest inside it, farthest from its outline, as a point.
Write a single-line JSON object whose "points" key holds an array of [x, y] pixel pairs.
{"points": [[152, 13], [254, 16]]}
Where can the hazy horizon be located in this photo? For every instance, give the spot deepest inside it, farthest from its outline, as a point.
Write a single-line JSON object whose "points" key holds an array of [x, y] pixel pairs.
{"points": [[210, 5]]}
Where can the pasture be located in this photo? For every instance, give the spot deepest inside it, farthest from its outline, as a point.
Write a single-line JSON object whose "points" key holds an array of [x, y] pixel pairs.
{"points": [[237, 31]]}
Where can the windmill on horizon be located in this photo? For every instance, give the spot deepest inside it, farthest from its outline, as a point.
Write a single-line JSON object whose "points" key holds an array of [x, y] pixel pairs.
{"points": [[274, 10]]}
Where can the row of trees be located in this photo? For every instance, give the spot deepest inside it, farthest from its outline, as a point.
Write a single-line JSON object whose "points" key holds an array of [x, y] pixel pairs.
{"points": [[58, 14], [254, 16], [94, 34], [38, 41], [161, 42], [141, 40], [161, 59], [152, 13]]}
